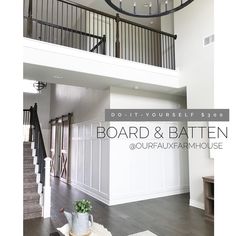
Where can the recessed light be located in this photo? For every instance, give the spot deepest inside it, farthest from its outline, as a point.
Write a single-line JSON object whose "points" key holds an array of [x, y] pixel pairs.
{"points": [[57, 77], [151, 22], [136, 87]]}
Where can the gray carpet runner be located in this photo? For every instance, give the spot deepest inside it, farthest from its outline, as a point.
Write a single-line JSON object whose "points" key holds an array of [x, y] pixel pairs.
{"points": [[32, 208]]}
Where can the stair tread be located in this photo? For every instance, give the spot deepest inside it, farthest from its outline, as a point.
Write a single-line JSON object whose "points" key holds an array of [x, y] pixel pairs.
{"points": [[31, 196], [30, 208], [29, 165], [28, 185]]}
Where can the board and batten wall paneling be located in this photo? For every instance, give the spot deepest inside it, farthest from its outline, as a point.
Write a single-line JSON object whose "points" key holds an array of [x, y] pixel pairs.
{"points": [[89, 167], [148, 172]]}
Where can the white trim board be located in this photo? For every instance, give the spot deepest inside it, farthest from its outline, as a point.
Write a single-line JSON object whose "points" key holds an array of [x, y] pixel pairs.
{"points": [[196, 204], [124, 200]]}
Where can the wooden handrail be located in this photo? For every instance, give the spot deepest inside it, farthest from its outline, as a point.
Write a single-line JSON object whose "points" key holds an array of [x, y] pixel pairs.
{"points": [[115, 17], [78, 26], [35, 135]]}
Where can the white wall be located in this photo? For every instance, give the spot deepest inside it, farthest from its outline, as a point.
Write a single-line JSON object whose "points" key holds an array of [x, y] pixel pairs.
{"points": [[89, 157], [144, 174], [167, 22], [43, 101], [107, 169], [195, 63]]}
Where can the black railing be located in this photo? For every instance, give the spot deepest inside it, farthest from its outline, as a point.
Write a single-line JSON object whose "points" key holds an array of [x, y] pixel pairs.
{"points": [[74, 25], [31, 120]]}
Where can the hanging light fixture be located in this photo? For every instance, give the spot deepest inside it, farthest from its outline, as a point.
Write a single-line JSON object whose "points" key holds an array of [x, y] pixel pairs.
{"points": [[151, 8], [39, 85]]}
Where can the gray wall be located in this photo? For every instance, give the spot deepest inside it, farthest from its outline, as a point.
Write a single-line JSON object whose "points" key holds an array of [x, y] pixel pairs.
{"points": [[85, 103]]}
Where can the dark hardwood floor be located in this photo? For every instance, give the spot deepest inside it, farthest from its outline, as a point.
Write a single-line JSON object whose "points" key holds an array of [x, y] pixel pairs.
{"points": [[167, 216]]}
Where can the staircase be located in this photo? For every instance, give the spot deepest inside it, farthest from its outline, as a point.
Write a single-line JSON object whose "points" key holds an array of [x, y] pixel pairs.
{"points": [[32, 208]]}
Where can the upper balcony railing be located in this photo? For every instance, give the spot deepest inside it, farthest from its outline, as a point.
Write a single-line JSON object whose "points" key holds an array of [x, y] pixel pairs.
{"points": [[70, 24]]}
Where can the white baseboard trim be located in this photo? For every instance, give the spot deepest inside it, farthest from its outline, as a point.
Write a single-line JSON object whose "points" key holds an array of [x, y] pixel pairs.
{"points": [[128, 199], [91, 193], [196, 204]]}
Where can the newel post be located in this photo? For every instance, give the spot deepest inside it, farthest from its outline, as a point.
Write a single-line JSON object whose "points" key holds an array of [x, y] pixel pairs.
{"points": [[117, 36], [31, 125], [47, 189]]}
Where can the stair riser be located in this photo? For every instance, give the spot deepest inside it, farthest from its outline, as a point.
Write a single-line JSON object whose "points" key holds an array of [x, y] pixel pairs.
{"points": [[30, 180], [27, 146], [28, 152], [28, 161], [33, 215], [31, 190], [29, 170], [29, 166], [31, 201], [28, 158]]}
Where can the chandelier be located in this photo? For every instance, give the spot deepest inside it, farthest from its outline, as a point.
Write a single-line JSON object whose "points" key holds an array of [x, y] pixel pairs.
{"points": [[149, 8], [39, 85]]}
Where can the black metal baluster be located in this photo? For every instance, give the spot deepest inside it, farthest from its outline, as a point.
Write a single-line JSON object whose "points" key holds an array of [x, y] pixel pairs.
{"points": [[45, 27], [173, 54], [132, 42], [98, 30], [157, 45], [85, 37], [169, 55], [72, 27], [93, 28], [166, 58], [160, 59], [129, 41], [36, 17], [125, 26], [80, 41], [109, 19], [106, 33], [89, 38], [121, 40], [102, 33], [62, 23], [135, 44], [148, 50], [76, 26], [67, 32]]}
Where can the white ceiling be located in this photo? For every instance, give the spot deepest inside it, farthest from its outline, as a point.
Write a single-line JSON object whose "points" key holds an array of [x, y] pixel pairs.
{"points": [[73, 78]]}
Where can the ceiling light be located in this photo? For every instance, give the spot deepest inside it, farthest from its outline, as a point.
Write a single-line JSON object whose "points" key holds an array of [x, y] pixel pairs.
{"points": [[156, 8], [39, 85], [57, 77]]}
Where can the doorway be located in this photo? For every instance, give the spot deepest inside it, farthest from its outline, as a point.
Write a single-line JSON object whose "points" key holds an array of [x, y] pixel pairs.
{"points": [[60, 146]]}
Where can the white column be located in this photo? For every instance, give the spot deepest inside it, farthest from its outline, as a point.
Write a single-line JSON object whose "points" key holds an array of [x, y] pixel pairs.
{"points": [[47, 189]]}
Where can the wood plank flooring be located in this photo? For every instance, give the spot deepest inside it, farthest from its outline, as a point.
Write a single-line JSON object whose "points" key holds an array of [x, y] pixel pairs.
{"points": [[167, 216]]}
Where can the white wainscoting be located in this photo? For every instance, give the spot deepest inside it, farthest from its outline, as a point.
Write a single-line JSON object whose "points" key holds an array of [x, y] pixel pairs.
{"points": [[112, 173], [148, 173], [89, 165]]}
